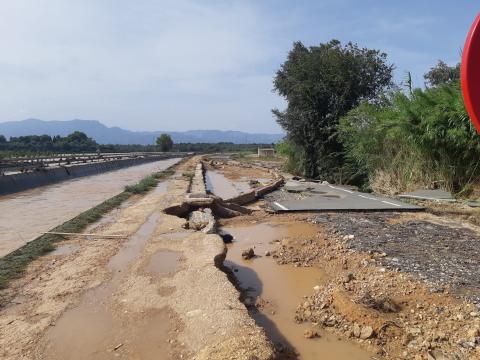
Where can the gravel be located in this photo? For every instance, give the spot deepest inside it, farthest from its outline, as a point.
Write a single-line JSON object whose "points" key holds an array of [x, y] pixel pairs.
{"points": [[439, 254]]}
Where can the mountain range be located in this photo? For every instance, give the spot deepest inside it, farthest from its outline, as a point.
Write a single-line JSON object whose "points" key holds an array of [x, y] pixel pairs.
{"points": [[115, 135]]}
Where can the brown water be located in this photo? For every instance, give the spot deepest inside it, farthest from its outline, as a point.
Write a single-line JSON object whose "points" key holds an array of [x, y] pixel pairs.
{"points": [[26, 215], [281, 288], [219, 185], [163, 262], [93, 331]]}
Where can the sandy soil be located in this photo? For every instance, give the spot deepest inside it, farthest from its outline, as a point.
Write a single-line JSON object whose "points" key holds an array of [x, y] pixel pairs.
{"points": [[191, 311]]}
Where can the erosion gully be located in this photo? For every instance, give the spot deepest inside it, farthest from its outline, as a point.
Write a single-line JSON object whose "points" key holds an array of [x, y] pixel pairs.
{"points": [[48, 206], [94, 330], [277, 290]]}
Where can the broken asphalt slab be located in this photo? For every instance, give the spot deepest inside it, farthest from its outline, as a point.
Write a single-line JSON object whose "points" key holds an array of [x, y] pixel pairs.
{"points": [[326, 197], [432, 195]]}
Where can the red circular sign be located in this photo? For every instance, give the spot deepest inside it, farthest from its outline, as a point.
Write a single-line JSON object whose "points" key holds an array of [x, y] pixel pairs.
{"points": [[471, 73]]}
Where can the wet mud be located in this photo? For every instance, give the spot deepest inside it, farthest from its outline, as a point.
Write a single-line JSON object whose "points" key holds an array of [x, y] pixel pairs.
{"points": [[273, 292], [440, 254]]}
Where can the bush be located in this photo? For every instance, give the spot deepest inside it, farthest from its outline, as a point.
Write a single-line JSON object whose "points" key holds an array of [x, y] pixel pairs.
{"points": [[412, 140], [295, 157]]}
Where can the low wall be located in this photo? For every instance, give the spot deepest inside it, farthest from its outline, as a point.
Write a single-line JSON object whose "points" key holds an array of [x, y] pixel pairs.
{"points": [[18, 182]]}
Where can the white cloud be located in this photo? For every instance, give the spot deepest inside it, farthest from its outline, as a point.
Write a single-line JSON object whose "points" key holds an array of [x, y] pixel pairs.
{"points": [[123, 61]]}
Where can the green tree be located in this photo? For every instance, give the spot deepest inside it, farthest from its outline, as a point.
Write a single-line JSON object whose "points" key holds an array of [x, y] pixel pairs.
{"points": [[3, 139], [442, 74], [321, 84], [165, 142]]}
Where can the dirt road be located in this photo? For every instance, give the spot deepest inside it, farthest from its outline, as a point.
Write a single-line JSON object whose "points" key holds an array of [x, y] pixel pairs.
{"points": [[344, 286], [158, 295]]}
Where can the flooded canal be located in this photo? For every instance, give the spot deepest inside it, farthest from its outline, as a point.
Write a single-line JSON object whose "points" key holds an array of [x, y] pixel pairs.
{"points": [[219, 185], [28, 214], [279, 289]]}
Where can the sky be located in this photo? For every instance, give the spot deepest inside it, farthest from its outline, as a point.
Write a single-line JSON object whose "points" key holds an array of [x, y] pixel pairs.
{"points": [[197, 64]]}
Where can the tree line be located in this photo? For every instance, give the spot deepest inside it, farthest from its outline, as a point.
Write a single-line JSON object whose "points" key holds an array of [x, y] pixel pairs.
{"points": [[348, 122], [79, 142]]}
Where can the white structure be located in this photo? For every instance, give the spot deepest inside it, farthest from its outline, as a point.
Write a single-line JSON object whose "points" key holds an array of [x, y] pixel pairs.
{"points": [[269, 152]]}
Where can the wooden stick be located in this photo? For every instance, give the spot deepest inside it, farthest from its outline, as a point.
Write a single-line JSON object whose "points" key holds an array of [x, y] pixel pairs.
{"points": [[79, 234]]}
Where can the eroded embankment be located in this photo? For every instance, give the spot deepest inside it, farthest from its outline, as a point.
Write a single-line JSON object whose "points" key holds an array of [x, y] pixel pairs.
{"points": [[188, 310], [401, 286]]}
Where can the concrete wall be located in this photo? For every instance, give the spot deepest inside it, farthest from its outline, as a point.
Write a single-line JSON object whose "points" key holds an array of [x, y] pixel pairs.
{"points": [[18, 182]]}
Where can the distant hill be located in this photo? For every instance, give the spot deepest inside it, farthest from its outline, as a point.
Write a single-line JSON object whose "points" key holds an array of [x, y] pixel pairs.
{"points": [[115, 135]]}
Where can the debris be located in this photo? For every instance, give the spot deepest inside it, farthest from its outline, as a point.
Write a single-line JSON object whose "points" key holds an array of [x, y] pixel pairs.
{"points": [[366, 332], [117, 347], [248, 254], [310, 334]]}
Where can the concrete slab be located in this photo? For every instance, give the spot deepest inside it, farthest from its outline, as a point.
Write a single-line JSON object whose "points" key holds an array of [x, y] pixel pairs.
{"points": [[323, 197], [433, 195]]}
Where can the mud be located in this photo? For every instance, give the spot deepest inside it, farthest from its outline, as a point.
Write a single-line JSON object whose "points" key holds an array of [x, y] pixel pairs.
{"points": [[48, 206], [272, 292], [163, 262], [442, 253], [64, 340], [120, 298]]}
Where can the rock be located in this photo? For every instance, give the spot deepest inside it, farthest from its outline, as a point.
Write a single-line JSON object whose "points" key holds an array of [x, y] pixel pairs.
{"points": [[248, 254], [356, 330], [268, 253], [414, 332], [349, 277], [366, 332], [227, 238], [311, 334], [473, 332], [316, 288], [436, 355], [199, 220]]}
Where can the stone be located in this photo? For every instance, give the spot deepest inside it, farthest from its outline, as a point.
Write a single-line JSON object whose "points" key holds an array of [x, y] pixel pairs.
{"points": [[366, 332], [473, 332], [356, 330], [436, 355], [198, 220], [268, 253], [248, 254], [227, 238], [310, 334], [349, 277]]}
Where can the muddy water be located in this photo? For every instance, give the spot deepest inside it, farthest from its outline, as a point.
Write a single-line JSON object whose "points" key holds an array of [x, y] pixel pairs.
{"points": [[27, 214], [280, 289], [219, 185], [163, 262], [92, 330]]}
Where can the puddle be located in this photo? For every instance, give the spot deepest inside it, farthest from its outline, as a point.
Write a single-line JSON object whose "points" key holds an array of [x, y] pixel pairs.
{"points": [[92, 331], [221, 186], [161, 188], [163, 262], [66, 249], [281, 289]]}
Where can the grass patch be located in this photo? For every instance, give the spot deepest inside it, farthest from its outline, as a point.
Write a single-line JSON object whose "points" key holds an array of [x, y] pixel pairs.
{"points": [[13, 265]]}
